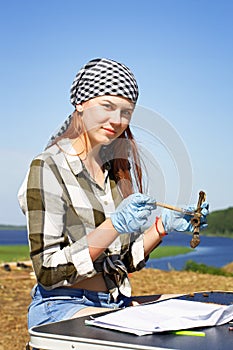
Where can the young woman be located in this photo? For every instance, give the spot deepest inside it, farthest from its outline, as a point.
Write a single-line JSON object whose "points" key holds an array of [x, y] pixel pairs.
{"points": [[87, 216]]}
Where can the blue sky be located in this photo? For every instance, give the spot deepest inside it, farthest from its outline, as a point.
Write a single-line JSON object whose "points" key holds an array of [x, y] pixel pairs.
{"points": [[181, 53]]}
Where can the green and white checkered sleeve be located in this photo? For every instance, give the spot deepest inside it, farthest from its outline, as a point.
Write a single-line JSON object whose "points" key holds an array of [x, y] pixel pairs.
{"points": [[53, 254]]}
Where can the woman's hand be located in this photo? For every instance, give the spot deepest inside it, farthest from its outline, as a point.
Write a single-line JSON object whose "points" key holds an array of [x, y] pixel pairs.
{"points": [[175, 221], [133, 213]]}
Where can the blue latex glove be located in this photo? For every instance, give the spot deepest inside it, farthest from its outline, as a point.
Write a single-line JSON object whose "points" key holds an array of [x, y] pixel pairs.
{"points": [[175, 221], [133, 213]]}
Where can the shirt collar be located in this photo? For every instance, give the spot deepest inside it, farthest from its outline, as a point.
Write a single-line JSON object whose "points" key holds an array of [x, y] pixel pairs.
{"points": [[74, 161]]}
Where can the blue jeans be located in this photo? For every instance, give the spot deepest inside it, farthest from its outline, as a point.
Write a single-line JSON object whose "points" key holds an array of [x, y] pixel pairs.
{"points": [[62, 303]]}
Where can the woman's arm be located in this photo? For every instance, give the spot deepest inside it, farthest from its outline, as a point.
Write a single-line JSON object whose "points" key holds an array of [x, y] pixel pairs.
{"points": [[153, 236], [100, 238], [51, 220]]}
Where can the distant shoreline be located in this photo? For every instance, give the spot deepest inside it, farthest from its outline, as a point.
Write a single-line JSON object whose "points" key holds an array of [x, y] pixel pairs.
{"points": [[203, 233], [13, 227], [220, 224]]}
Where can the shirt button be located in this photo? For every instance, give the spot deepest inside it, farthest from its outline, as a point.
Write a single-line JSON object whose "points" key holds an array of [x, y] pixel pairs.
{"points": [[105, 202]]}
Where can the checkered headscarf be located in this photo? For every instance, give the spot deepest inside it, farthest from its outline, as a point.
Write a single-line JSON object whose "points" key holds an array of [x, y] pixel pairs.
{"points": [[100, 76]]}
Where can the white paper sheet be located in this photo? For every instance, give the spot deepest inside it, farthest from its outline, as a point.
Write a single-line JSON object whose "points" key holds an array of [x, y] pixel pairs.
{"points": [[168, 315]]}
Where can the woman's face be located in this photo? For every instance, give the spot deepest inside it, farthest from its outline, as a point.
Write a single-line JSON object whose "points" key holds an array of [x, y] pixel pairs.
{"points": [[105, 118]]}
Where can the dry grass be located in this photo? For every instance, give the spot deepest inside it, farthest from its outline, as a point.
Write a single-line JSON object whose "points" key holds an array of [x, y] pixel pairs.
{"points": [[150, 281]]}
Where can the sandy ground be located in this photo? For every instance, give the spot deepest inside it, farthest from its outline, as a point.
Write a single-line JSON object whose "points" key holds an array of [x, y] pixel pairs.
{"points": [[15, 286]]}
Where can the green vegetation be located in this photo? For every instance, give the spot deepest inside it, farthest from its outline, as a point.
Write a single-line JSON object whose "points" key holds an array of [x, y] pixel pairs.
{"points": [[162, 252], [220, 223], [10, 253], [21, 252], [202, 268]]}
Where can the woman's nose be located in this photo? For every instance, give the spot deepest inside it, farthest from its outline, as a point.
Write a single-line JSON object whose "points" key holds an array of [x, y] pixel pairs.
{"points": [[115, 117]]}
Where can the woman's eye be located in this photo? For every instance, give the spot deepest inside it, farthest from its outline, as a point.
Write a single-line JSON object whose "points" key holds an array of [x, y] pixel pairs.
{"points": [[107, 105], [126, 113]]}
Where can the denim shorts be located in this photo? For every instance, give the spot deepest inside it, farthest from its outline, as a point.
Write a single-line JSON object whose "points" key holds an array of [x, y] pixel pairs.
{"points": [[62, 303]]}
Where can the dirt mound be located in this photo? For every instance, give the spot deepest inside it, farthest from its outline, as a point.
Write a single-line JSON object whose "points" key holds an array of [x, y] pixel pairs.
{"points": [[228, 268]]}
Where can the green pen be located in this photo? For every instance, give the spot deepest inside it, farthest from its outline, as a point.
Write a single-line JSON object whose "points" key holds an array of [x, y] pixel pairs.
{"points": [[190, 333]]}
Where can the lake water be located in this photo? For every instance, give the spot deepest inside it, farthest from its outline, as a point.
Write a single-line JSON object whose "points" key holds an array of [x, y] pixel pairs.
{"points": [[13, 237], [213, 251]]}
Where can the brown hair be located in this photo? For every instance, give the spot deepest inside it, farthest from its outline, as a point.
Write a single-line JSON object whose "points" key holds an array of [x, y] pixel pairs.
{"points": [[122, 154]]}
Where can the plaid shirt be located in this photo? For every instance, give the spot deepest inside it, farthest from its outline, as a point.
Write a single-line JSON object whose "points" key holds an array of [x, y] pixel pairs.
{"points": [[62, 204]]}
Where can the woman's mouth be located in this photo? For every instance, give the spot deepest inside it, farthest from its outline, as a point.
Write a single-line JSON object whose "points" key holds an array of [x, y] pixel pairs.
{"points": [[109, 131]]}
